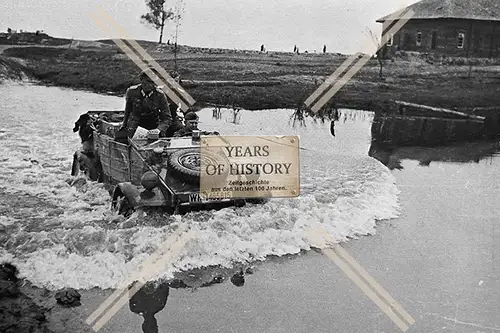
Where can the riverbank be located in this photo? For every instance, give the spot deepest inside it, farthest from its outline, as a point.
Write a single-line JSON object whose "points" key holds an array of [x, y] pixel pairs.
{"points": [[41, 313], [12, 69], [103, 68]]}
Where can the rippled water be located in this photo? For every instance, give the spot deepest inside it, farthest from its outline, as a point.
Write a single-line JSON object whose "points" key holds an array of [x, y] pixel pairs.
{"points": [[67, 236]]}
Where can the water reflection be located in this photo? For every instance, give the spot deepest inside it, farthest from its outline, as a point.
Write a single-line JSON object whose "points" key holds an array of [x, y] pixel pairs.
{"points": [[152, 297], [238, 279], [391, 155], [428, 139], [336, 116]]}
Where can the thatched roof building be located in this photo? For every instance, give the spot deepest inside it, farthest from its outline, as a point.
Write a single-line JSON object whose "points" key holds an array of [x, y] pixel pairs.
{"points": [[451, 27]]}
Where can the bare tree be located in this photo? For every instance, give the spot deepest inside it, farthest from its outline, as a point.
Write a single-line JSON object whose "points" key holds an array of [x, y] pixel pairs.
{"points": [[380, 51], [157, 15], [177, 16]]}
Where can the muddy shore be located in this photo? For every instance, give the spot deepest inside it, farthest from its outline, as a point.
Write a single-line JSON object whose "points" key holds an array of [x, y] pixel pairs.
{"points": [[27, 308]]}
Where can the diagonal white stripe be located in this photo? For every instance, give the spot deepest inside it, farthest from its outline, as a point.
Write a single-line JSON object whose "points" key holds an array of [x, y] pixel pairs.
{"points": [[331, 79], [340, 83], [357, 67], [342, 68], [163, 73], [117, 306], [319, 237], [149, 262], [371, 281], [148, 273], [368, 292], [149, 59], [143, 66]]}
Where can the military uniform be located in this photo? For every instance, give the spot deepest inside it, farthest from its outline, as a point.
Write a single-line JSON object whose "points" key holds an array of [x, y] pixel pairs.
{"points": [[148, 110], [188, 132], [183, 132]]}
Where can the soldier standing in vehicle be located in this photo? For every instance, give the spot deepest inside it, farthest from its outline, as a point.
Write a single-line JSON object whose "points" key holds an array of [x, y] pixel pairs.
{"points": [[147, 106]]}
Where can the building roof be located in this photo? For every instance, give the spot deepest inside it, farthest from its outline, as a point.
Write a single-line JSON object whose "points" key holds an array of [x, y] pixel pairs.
{"points": [[460, 9]]}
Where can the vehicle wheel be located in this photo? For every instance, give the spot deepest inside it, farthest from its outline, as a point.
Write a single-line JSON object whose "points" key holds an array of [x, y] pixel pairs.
{"points": [[257, 201], [186, 164], [121, 204]]}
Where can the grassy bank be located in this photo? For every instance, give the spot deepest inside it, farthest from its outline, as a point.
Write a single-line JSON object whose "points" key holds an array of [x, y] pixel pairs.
{"points": [[102, 67], [11, 69]]}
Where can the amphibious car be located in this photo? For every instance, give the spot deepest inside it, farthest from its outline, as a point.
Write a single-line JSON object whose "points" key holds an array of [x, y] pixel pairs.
{"points": [[158, 172]]}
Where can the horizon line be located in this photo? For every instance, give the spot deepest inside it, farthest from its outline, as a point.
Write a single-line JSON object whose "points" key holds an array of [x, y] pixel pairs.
{"points": [[179, 45]]}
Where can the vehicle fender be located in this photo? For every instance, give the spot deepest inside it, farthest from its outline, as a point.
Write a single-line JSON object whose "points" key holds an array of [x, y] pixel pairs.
{"points": [[129, 191], [136, 198]]}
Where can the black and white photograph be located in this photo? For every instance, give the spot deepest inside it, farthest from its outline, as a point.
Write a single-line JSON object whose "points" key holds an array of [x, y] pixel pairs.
{"points": [[250, 166]]}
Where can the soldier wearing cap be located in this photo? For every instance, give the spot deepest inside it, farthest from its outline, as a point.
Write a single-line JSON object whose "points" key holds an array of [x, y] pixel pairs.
{"points": [[191, 119], [147, 106]]}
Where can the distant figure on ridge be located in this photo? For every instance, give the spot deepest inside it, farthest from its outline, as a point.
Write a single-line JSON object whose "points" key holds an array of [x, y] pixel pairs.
{"points": [[324, 49]]}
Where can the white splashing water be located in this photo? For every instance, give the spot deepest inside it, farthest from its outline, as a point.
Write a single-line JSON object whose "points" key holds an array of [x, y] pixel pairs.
{"points": [[67, 236]]}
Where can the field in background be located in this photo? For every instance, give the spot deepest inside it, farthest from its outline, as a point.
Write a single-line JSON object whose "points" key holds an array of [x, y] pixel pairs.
{"points": [[100, 66]]}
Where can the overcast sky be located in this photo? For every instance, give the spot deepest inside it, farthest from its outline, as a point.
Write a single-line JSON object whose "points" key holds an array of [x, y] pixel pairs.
{"points": [[242, 24]]}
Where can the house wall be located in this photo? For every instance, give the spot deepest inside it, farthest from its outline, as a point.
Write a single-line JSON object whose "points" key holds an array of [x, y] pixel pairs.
{"points": [[482, 38]]}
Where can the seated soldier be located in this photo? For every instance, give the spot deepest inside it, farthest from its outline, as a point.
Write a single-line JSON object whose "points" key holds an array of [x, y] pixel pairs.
{"points": [[191, 124], [191, 120]]}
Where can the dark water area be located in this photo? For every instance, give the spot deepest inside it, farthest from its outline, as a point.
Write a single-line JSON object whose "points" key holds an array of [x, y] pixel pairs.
{"points": [[437, 137], [391, 155]]}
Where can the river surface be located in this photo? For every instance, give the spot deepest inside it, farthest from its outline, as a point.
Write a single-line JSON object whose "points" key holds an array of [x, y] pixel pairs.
{"points": [[67, 236], [62, 235]]}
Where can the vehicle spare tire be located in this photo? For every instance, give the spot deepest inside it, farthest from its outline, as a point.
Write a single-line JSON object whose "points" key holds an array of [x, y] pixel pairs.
{"points": [[186, 163]]}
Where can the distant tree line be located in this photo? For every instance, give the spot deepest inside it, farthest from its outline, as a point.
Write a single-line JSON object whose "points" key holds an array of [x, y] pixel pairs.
{"points": [[11, 32]]}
